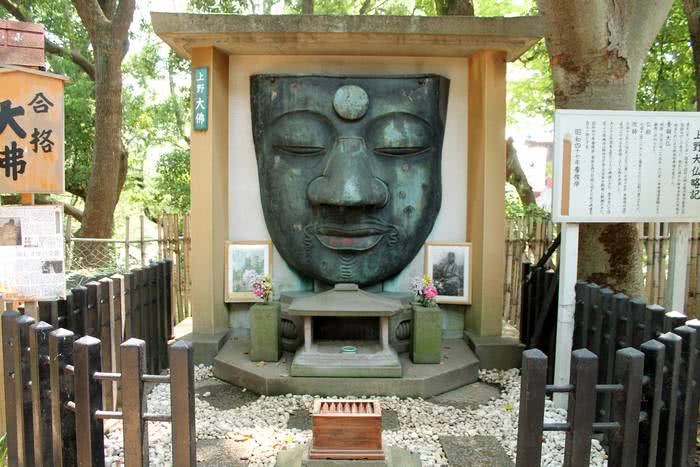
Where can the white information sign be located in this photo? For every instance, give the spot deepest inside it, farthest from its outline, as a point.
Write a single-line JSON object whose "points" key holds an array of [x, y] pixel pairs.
{"points": [[616, 166], [31, 253]]}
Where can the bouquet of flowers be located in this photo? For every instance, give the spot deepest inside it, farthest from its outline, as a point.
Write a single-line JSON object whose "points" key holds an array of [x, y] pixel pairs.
{"points": [[261, 285], [425, 291]]}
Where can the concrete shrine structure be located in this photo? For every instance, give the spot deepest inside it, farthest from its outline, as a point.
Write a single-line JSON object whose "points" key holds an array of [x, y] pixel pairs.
{"points": [[471, 53]]}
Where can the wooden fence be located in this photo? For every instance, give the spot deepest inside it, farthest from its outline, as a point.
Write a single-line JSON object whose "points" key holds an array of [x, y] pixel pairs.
{"points": [[56, 406], [646, 363], [110, 338], [135, 304], [528, 239]]}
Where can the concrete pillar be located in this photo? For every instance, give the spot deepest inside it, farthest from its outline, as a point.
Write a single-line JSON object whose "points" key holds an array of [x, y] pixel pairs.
{"points": [[209, 172], [486, 169]]}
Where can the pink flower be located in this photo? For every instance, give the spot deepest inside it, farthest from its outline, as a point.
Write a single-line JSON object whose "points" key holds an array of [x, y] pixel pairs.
{"points": [[430, 292]]}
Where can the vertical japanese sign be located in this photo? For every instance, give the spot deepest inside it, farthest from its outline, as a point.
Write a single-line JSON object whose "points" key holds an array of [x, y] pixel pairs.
{"points": [[31, 132], [200, 105], [31, 248], [613, 166]]}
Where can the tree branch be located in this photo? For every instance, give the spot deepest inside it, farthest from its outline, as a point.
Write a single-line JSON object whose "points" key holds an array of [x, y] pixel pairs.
{"points": [[93, 17], [75, 56], [122, 20], [13, 10]]}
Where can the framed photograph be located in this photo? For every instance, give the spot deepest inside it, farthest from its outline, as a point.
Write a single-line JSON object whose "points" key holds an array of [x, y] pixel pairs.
{"points": [[449, 265], [242, 256]]}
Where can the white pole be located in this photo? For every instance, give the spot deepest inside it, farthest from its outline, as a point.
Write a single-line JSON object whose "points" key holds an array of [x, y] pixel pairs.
{"points": [[568, 258], [678, 267]]}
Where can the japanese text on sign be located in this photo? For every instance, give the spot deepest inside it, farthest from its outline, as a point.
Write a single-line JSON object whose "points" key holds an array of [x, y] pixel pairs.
{"points": [[200, 105], [31, 248], [31, 133], [626, 166]]}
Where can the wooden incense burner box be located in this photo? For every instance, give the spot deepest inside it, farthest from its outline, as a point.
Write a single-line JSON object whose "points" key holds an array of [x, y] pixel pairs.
{"points": [[346, 429]]}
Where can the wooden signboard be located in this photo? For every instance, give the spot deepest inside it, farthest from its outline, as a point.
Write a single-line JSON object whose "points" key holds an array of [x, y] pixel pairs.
{"points": [[31, 131], [21, 43]]}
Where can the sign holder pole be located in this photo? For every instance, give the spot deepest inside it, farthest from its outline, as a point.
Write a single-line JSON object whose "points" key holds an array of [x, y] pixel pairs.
{"points": [[568, 269], [678, 266]]}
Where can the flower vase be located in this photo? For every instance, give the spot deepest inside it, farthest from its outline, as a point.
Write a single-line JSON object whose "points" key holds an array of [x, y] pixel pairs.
{"points": [[265, 332], [426, 335]]}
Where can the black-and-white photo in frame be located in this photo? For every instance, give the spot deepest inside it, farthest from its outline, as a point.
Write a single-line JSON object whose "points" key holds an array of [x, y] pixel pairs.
{"points": [[449, 266]]}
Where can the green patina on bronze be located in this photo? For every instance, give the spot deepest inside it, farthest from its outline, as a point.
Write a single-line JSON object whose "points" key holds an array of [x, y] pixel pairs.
{"points": [[349, 170]]}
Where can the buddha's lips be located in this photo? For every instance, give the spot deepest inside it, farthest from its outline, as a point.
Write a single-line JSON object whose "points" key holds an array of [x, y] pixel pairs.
{"points": [[357, 237]]}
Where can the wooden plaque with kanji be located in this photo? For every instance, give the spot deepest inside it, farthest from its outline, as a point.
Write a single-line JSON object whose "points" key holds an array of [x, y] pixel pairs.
{"points": [[31, 131]]}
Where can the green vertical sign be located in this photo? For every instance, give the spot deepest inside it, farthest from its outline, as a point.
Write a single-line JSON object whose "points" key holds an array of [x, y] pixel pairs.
{"points": [[200, 106]]}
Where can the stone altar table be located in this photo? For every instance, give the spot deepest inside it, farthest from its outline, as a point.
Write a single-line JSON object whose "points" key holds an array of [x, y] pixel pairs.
{"points": [[352, 317]]}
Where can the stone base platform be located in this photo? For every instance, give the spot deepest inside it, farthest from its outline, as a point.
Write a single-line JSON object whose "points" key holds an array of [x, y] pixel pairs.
{"points": [[459, 367], [298, 457], [325, 359]]}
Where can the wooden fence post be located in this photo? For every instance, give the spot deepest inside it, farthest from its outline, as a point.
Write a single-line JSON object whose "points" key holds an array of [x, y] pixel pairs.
{"points": [[79, 311], [581, 408], [654, 359], [133, 356], [62, 419], [531, 412], [686, 418], [22, 377], [13, 393], [626, 404], [104, 313], [92, 323], [127, 284], [667, 425], [41, 392], [641, 326], [184, 437], [695, 324], [88, 397]]}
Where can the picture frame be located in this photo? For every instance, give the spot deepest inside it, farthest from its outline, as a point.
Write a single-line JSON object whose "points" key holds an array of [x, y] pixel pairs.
{"points": [[449, 265], [240, 256]]}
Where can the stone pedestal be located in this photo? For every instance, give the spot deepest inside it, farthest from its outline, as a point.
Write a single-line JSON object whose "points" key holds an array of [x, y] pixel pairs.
{"points": [[426, 336], [299, 457], [265, 338]]}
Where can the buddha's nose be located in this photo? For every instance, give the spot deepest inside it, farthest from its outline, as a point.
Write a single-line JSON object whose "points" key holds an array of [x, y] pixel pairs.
{"points": [[347, 179]]}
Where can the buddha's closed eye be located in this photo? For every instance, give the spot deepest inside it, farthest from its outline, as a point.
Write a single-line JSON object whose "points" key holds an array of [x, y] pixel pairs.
{"points": [[399, 135], [299, 149]]}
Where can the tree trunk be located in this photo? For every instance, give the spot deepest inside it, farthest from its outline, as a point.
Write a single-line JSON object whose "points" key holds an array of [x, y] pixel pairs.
{"points": [[515, 173], [454, 7], [107, 24], [596, 50], [692, 12], [307, 7]]}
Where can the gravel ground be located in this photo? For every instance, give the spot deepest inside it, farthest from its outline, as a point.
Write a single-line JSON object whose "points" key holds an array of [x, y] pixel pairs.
{"points": [[261, 425]]}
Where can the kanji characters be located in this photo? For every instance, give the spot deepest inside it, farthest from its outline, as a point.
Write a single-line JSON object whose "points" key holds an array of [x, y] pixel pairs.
{"points": [[42, 139], [12, 161], [40, 103], [7, 118]]}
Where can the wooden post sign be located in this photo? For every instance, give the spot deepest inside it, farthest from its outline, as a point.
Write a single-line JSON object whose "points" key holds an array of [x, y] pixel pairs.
{"points": [[620, 166], [31, 131]]}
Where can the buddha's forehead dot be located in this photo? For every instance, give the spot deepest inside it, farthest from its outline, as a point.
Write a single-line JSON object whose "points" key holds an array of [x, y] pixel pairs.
{"points": [[351, 102]]}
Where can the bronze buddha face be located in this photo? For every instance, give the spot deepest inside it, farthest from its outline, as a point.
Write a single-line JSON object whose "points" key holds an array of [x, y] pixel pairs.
{"points": [[349, 170]]}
